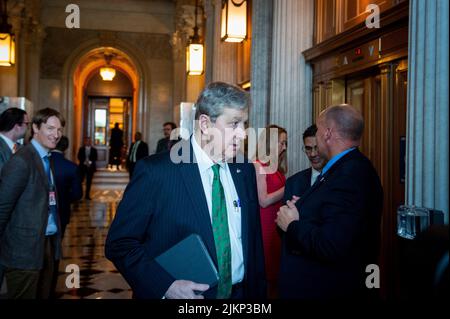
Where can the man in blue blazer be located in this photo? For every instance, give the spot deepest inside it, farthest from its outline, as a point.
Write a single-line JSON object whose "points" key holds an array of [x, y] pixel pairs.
{"points": [[67, 180], [194, 188], [332, 232], [299, 183]]}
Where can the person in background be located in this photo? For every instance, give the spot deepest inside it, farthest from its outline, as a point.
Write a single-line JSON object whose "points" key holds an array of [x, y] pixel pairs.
{"points": [[116, 144], [332, 232], [300, 182], [87, 157], [14, 124], [30, 233], [166, 143], [138, 150], [67, 180], [270, 177]]}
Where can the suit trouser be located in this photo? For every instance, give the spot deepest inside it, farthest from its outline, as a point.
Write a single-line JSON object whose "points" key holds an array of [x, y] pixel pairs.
{"points": [[33, 284]]}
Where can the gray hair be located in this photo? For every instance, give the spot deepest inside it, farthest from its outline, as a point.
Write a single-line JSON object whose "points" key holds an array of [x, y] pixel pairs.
{"points": [[349, 121], [218, 95]]}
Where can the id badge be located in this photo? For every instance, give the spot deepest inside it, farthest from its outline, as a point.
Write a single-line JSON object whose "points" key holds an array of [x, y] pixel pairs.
{"points": [[52, 198]]}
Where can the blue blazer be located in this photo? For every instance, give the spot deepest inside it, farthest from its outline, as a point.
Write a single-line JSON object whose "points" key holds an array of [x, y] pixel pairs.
{"points": [[325, 252], [164, 203], [68, 185]]}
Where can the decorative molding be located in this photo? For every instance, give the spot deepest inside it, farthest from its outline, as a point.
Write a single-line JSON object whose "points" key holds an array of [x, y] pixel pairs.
{"points": [[391, 19]]}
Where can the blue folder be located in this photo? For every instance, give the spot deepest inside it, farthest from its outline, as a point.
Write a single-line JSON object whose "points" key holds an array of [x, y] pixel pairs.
{"points": [[189, 260]]}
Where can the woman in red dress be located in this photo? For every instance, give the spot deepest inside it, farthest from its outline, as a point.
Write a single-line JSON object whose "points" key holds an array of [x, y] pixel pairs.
{"points": [[270, 170]]}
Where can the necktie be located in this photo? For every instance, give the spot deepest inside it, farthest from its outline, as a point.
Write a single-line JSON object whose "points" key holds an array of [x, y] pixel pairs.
{"points": [[221, 236], [133, 152], [15, 148]]}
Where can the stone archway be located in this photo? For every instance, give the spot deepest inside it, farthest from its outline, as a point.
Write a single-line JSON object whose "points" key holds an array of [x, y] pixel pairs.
{"points": [[80, 65]]}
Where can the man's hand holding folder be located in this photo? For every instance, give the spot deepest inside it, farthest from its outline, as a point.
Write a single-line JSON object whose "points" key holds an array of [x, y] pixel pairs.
{"points": [[190, 264]]}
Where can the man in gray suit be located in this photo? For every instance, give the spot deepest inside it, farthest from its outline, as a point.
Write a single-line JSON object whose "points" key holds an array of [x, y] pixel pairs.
{"points": [[13, 126], [30, 241]]}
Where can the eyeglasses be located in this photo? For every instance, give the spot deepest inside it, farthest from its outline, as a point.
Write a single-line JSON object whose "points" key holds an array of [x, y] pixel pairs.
{"points": [[310, 149]]}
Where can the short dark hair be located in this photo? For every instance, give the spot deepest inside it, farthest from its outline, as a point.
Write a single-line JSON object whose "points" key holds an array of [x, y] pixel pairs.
{"points": [[10, 117], [310, 132], [63, 144], [218, 95], [172, 124], [43, 115]]}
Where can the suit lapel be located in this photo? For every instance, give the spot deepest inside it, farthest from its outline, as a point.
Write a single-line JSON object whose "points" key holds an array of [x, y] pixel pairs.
{"points": [[237, 174], [329, 173]]}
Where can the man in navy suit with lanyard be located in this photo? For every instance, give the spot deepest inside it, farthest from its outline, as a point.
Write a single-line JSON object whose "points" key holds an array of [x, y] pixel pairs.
{"points": [[195, 188], [332, 233]]}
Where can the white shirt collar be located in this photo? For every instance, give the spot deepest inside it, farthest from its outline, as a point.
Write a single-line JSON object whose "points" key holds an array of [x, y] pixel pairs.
{"points": [[204, 162]]}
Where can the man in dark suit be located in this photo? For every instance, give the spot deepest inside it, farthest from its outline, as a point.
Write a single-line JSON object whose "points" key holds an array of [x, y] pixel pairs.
{"points": [[138, 150], [14, 123], [87, 156], [332, 232], [300, 182], [115, 146], [166, 143], [67, 180], [194, 189], [30, 241]]}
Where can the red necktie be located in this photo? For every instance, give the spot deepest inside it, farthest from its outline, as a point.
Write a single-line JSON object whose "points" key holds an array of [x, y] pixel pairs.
{"points": [[14, 150]]}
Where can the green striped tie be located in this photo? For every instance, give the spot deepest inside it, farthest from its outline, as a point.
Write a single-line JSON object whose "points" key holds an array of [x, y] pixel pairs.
{"points": [[221, 235]]}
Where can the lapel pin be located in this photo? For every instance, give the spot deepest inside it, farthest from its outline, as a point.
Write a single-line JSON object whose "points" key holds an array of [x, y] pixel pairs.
{"points": [[238, 171]]}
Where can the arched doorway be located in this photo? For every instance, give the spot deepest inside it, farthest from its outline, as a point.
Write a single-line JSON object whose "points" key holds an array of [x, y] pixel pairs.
{"points": [[107, 103], [83, 85]]}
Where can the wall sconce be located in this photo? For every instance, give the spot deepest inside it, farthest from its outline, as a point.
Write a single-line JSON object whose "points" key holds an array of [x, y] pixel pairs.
{"points": [[107, 72], [234, 20], [194, 51], [7, 39]]}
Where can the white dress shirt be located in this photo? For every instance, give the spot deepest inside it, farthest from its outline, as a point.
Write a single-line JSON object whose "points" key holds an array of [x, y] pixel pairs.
{"points": [[231, 197]]}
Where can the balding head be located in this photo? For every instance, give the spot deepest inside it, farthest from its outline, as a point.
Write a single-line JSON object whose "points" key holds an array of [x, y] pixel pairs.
{"points": [[347, 120], [339, 127]]}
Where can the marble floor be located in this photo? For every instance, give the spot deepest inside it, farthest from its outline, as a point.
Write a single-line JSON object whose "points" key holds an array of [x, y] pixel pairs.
{"points": [[83, 246]]}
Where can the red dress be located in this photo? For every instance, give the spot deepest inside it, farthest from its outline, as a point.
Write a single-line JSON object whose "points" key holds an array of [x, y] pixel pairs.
{"points": [[270, 233]]}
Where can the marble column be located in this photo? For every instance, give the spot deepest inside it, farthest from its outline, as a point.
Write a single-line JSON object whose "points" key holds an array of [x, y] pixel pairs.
{"points": [[262, 18], [427, 172], [291, 80]]}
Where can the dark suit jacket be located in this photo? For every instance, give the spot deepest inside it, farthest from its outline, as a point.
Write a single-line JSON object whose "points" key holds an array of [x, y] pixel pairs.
{"points": [[163, 145], [92, 157], [68, 185], [326, 252], [298, 184], [5, 153], [163, 204], [141, 152], [24, 211]]}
